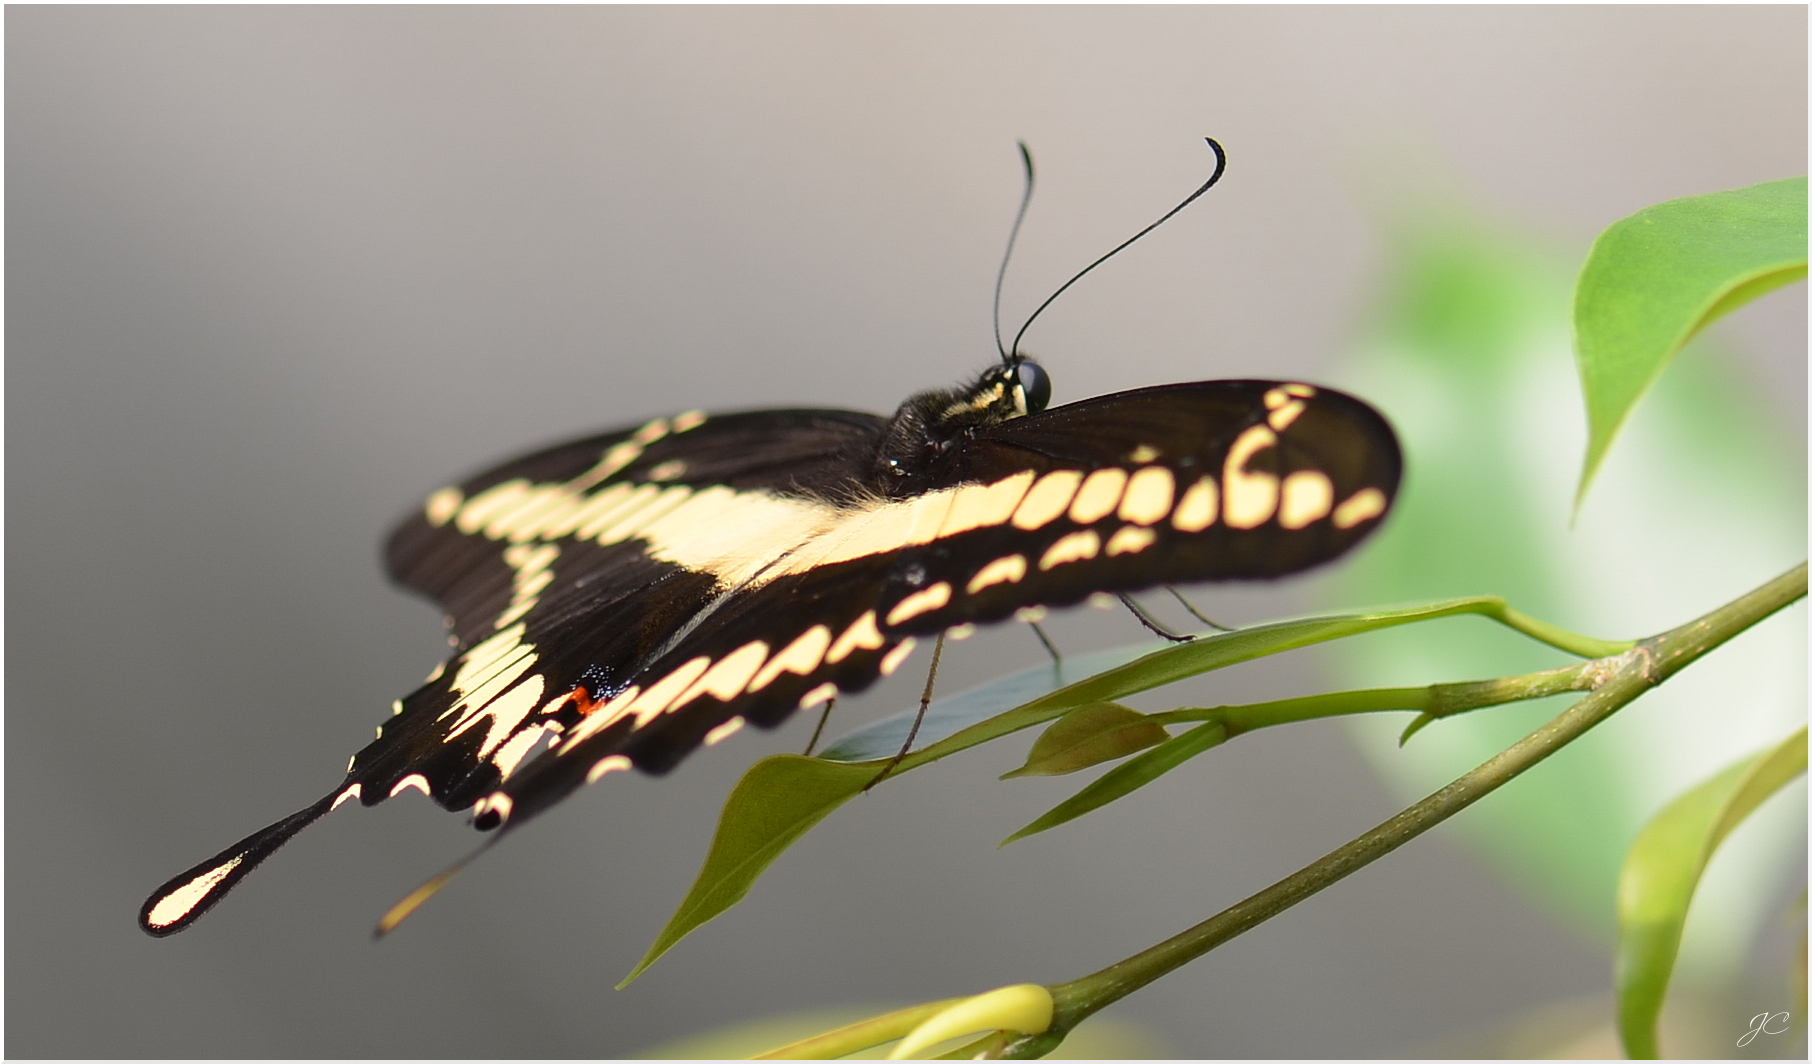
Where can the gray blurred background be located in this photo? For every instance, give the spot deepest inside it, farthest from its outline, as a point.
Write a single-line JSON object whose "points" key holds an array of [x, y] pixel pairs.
{"points": [[274, 273]]}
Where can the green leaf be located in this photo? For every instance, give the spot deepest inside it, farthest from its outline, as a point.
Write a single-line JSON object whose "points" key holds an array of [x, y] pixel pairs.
{"points": [[1654, 279], [781, 798], [1662, 870], [1122, 780], [972, 718], [1087, 736], [775, 802]]}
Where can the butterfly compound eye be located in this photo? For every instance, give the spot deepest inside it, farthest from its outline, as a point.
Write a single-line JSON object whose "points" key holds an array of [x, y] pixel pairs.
{"points": [[1034, 384]]}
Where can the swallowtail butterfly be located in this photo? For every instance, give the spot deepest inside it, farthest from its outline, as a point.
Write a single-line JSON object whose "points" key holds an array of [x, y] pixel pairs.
{"points": [[619, 601]]}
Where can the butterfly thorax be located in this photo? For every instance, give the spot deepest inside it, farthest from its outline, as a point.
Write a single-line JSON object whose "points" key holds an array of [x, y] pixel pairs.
{"points": [[932, 423]]}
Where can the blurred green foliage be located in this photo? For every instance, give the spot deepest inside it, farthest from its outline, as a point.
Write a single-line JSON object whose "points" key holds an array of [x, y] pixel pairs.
{"points": [[1468, 352]]}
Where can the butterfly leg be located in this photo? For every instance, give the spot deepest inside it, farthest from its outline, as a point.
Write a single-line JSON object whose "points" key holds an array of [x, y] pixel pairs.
{"points": [[937, 652], [819, 730], [1147, 620], [1038, 630], [1193, 612]]}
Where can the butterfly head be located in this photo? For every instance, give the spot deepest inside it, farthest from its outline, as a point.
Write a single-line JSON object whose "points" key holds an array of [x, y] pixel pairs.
{"points": [[931, 424], [1012, 389]]}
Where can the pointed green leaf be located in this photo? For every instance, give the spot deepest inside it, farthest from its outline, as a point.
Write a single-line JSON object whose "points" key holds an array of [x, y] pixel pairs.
{"points": [[1122, 780], [1207, 653], [1662, 870], [974, 717], [776, 802], [1654, 279], [1089, 735], [781, 798]]}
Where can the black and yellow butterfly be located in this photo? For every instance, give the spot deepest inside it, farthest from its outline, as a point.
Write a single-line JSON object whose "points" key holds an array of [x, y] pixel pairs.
{"points": [[621, 600]]}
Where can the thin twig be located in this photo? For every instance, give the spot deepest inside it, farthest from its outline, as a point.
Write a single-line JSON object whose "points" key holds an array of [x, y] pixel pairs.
{"points": [[1619, 681]]}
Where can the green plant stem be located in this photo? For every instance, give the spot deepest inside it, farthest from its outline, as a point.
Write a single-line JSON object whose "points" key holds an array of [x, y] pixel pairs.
{"points": [[1433, 701], [1572, 642], [1617, 681], [1324, 629]]}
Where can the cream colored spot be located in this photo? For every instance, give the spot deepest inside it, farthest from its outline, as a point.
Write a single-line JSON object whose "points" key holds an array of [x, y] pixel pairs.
{"points": [[728, 677], [516, 612], [1301, 391], [439, 671], [346, 795], [960, 632], [1130, 540], [624, 501], [177, 904], [1199, 508], [515, 748], [396, 710], [635, 523], [592, 514], [897, 656], [1008, 570], [413, 780], [605, 766], [801, 656], [1047, 500], [442, 505], [1308, 495], [1276, 397], [494, 501], [1101, 600], [1075, 547], [650, 432], [1363, 506], [688, 421], [613, 461], [932, 598], [1142, 454], [1030, 614], [534, 509], [533, 575], [818, 695], [657, 698], [1148, 496], [1250, 498], [506, 711], [1284, 416], [861, 634], [495, 802], [736, 536], [1099, 494], [723, 731], [668, 471], [876, 528], [492, 665], [985, 505]]}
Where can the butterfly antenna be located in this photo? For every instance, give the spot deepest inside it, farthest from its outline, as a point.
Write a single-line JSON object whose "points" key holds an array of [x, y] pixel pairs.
{"points": [[1220, 167], [1025, 200]]}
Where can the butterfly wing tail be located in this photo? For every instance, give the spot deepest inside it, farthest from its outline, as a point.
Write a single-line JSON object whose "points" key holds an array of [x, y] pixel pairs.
{"points": [[180, 902]]}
